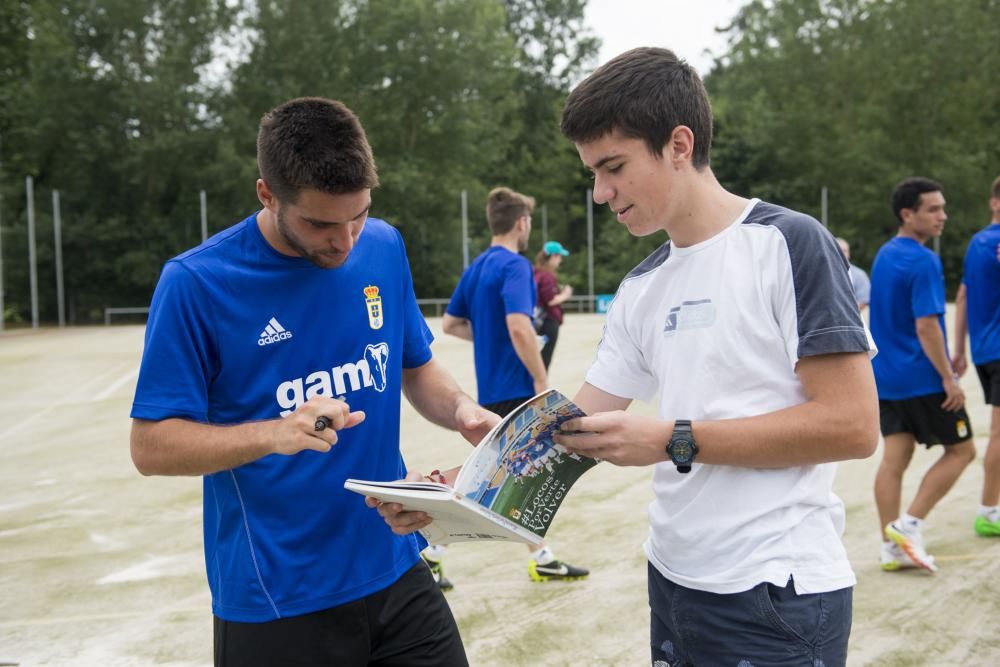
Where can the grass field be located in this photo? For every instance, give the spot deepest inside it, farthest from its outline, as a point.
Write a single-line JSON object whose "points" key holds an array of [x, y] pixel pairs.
{"points": [[100, 566]]}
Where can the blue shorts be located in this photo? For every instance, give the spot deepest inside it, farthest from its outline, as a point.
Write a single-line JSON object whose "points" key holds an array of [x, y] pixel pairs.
{"points": [[765, 625]]}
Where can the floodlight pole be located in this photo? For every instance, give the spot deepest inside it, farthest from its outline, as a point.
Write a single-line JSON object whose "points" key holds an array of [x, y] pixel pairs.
{"points": [[29, 186], [465, 229], [545, 224], [57, 239], [2, 311], [590, 249], [823, 207], [204, 217]]}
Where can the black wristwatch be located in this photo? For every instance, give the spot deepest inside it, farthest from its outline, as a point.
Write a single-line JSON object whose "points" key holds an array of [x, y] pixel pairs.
{"points": [[682, 449]]}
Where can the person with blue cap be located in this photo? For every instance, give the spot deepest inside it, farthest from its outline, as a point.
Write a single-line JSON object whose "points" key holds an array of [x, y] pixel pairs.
{"points": [[550, 296]]}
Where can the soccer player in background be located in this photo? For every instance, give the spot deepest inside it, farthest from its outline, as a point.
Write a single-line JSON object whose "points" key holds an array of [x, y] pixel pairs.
{"points": [[860, 283], [551, 296], [977, 309], [920, 399], [492, 307]]}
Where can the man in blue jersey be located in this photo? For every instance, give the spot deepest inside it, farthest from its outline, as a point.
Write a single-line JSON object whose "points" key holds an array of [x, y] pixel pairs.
{"points": [[977, 309], [920, 399], [492, 307], [276, 353]]}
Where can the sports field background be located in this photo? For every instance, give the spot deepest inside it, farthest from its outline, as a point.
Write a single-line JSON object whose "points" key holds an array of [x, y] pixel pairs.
{"points": [[101, 566]]}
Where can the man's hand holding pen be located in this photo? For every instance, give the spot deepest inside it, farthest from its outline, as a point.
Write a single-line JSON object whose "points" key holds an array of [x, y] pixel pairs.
{"points": [[314, 425]]}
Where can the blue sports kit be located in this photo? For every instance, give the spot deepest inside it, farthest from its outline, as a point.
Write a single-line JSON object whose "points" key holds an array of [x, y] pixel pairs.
{"points": [[498, 283], [907, 283], [226, 343]]}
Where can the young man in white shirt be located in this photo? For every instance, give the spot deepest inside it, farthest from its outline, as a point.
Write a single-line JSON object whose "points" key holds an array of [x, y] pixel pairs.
{"points": [[745, 325]]}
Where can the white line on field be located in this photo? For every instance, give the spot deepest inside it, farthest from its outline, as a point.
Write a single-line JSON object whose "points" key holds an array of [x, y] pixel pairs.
{"points": [[116, 384], [83, 392], [150, 569], [961, 557], [30, 418], [81, 618]]}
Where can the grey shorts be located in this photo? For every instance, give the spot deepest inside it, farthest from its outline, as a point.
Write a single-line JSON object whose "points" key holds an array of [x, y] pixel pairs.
{"points": [[766, 625]]}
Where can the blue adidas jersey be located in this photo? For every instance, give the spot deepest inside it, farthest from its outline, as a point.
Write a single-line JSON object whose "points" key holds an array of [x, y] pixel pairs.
{"points": [[497, 283], [240, 332], [907, 283], [982, 284]]}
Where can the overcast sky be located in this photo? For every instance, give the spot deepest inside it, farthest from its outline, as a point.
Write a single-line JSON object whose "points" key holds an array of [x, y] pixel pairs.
{"points": [[684, 26]]}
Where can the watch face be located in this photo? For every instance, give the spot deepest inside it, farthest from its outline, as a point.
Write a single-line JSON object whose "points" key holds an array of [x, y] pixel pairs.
{"points": [[680, 450]]}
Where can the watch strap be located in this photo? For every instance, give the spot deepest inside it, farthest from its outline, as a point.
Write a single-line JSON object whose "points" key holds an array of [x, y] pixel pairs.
{"points": [[682, 428]]}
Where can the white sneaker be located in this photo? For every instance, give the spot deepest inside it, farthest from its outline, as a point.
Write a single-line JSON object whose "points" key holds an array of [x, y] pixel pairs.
{"points": [[912, 545], [893, 558]]}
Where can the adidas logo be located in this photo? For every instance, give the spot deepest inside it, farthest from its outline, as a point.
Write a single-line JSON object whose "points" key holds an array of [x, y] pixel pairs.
{"points": [[273, 333]]}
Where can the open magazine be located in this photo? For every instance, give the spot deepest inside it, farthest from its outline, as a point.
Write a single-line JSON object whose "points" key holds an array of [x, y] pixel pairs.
{"points": [[509, 487]]}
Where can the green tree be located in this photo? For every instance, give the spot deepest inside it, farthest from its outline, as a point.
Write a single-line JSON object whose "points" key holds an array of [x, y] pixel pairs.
{"points": [[431, 81], [856, 95], [555, 49], [108, 112]]}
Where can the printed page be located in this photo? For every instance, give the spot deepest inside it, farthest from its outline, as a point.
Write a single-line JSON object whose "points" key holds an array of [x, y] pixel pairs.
{"points": [[465, 521], [455, 519], [518, 471]]}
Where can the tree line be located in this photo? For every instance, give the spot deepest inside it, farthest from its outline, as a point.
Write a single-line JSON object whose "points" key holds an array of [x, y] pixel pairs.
{"points": [[857, 95], [129, 108]]}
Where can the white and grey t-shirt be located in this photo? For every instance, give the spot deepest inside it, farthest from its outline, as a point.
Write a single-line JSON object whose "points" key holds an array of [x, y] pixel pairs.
{"points": [[717, 329]]}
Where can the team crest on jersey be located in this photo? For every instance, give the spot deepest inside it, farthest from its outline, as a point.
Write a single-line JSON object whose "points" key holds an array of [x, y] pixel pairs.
{"points": [[374, 304], [962, 428]]}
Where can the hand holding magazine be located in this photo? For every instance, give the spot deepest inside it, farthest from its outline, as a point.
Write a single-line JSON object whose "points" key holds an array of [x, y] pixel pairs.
{"points": [[509, 487]]}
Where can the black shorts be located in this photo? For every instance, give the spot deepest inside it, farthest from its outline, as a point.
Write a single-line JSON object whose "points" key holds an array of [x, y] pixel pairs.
{"points": [[989, 377], [407, 624], [504, 408], [925, 419]]}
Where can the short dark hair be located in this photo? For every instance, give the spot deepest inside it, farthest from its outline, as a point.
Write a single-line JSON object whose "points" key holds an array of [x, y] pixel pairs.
{"points": [[995, 189], [907, 194], [314, 143], [644, 93], [504, 207]]}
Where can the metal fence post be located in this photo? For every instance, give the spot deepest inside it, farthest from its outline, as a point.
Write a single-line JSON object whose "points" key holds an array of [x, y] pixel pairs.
{"points": [[57, 239], [590, 249], [29, 186]]}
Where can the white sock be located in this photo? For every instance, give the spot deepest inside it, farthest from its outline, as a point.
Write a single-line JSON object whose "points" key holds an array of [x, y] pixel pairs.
{"points": [[991, 513], [543, 556], [435, 551], [911, 522]]}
